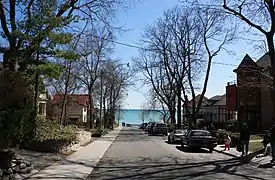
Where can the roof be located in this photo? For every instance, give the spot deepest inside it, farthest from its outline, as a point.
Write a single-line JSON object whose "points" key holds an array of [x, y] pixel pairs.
{"points": [[216, 98], [221, 102], [264, 61], [196, 99], [81, 99], [247, 62]]}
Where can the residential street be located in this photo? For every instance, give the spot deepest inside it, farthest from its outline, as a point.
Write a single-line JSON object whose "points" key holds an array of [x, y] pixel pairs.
{"points": [[135, 155]]}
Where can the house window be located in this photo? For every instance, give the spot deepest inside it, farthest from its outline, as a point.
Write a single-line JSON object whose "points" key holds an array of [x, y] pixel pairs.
{"points": [[42, 109]]}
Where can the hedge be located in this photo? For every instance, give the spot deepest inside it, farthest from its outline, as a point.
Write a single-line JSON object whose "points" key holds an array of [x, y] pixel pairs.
{"points": [[98, 132], [50, 130], [49, 137]]}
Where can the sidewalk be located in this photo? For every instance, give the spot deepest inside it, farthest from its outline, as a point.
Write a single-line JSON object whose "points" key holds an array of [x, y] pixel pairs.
{"points": [[257, 160], [81, 163]]}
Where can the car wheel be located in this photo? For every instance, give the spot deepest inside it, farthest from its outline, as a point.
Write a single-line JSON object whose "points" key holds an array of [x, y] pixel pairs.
{"points": [[188, 146], [211, 150]]}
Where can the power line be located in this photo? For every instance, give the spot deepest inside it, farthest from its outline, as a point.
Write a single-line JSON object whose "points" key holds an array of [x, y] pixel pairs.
{"points": [[146, 49]]}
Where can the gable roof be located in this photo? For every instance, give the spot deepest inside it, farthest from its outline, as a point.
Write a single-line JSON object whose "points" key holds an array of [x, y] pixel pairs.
{"points": [[264, 61], [247, 62], [196, 99], [221, 102], [216, 98], [81, 99]]}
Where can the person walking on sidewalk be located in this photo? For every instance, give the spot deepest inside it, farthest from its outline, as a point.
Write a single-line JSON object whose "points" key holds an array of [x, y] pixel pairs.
{"points": [[245, 138], [272, 142], [227, 142]]}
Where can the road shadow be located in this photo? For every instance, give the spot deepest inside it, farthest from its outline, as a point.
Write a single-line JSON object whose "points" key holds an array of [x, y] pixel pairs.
{"points": [[172, 143], [167, 168], [265, 166], [193, 150]]}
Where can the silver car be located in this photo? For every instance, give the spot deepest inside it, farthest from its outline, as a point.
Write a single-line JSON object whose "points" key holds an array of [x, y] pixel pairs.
{"points": [[175, 136]]}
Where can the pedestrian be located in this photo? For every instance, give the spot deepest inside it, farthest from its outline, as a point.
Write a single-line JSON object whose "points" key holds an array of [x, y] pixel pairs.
{"points": [[245, 138], [272, 142], [265, 140], [227, 142]]}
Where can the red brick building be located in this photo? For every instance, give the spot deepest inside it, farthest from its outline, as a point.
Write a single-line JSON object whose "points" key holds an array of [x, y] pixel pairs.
{"points": [[250, 94]]}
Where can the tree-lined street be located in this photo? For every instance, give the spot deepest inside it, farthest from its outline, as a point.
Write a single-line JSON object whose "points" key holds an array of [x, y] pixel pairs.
{"points": [[135, 155]]}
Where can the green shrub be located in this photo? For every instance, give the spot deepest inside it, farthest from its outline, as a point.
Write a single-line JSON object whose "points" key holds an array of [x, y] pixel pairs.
{"points": [[96, 132], [50, 130]]}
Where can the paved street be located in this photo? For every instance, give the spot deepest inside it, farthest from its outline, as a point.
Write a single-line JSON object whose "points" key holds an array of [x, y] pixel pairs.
{"points": [[135, 155]]}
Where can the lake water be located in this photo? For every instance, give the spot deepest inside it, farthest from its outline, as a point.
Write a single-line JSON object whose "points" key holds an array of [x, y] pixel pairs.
{"points": [[134, 116]]}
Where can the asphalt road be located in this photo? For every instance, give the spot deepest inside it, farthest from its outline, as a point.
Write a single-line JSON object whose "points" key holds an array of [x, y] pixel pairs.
{"points": [[135, 155]]}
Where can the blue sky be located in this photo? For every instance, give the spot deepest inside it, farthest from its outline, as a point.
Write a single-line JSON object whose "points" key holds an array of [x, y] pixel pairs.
{"points": [[145, 13]]}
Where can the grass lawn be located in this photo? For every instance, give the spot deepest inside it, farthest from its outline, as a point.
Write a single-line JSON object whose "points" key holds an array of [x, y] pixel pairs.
{"points": [[254, 146], [255, 137]]}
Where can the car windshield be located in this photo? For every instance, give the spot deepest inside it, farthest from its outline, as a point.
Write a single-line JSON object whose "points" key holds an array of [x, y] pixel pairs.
{"points": [[200, 133], [179, 132]]}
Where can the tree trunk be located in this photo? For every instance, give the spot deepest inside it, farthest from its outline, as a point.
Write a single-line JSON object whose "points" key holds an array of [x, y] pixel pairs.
{"points": [[272, 59], [179, 108], [173, 115], [91, 123], [64, 102], [104, 112]]}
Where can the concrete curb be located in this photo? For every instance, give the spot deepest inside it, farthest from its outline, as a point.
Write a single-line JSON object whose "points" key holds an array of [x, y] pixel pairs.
{"points": [[81, 163]]}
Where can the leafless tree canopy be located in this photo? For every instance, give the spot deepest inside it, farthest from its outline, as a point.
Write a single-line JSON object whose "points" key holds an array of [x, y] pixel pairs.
{"points": [[179, 49]]}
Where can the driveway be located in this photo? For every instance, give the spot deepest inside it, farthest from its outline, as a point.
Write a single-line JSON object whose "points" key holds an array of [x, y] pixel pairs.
{"points": [[135, 155]]}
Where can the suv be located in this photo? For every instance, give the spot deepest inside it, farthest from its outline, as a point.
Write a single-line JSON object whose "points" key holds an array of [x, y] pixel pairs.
{"points": [[160, 128]]}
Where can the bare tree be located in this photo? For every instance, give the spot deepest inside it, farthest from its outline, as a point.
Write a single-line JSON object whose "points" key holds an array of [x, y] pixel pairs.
{"points": [[214, 35], [179, 45], [155, 73], [154, 104], [259, 15], [112, 89], [94, 48]]}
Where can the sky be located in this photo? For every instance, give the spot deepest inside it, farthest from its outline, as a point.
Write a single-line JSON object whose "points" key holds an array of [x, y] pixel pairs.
{"points": [[145, 13]]}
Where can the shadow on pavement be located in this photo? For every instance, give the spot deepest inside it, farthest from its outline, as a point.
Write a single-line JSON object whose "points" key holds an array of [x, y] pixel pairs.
{"points": [[194, 150], [169, 168]]}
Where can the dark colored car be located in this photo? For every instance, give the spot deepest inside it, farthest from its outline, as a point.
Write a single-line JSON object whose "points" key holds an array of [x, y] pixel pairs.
{"points": [[148, 127], [199, 139], [159, 128], [176, 135], [143, 126]]}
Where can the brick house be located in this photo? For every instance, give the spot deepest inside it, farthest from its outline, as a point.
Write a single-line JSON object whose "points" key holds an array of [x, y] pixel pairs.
{"points": [[77, 108], [214, 110], [250, 94]]}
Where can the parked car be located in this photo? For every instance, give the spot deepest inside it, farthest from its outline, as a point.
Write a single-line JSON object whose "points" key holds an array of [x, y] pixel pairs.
{"points": [[146, 129], [199, 139], [175, 136], [143, 126], [150, 128], [159, 128]]}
